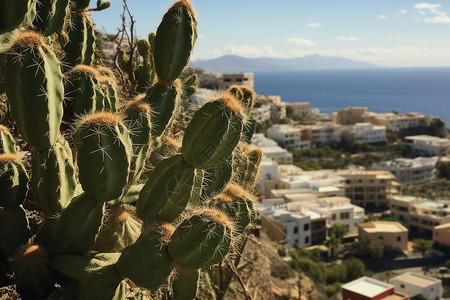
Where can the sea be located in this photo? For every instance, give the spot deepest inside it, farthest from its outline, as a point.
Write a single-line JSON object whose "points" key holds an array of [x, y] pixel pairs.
{"points": [[423, 90]]}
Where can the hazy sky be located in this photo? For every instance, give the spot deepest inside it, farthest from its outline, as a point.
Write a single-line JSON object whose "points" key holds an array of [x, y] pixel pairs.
{"points": [[384, 32]]}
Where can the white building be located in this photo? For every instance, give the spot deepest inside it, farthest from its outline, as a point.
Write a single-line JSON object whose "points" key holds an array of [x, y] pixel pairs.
{"points": [[338, 210], [288, 137], [310, 179], [301, 109], [409, 170], [429, 145], [245, 79], [413, 284], [370, 289], [262, 113], [271, 149], [322, 133], [285, 223], [396, 122], [365, 133]]}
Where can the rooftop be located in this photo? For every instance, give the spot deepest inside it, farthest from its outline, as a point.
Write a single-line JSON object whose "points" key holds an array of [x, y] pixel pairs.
{"points": [[416, 279], [404, 198], [367, 286], [383, 226]]}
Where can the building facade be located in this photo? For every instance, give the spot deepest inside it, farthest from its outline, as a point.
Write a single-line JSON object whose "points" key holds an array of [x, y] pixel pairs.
{"points": [[429, 145], [364, 133], [288, 137], [370, 189], [408, 170], [393, 234], [301, 109], [245, 79], [413, 284], [350, 115], [427, 215]]}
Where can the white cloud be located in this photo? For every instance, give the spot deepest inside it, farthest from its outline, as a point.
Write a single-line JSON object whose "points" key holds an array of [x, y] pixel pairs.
{"points": [[432, 9], [246, 51], [301, 42], [381, 17], [426, 6], [314, 25], [439, 19], [346, 38], [403, 12]]}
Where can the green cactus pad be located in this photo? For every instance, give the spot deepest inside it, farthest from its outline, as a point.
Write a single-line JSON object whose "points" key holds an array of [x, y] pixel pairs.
{"points": [[174, 41], [78, 226], [121, 229], [164, 102], [51, 15], [216, 179], [147, 262], [80, 46], [167, 192], [81, 267], [14, 229], [34, 86], [7, 143], [104, 152], [213, 133], [12, 14], [185, 284], [201, 239], [34, 280], [53, 177], [13, 181]]}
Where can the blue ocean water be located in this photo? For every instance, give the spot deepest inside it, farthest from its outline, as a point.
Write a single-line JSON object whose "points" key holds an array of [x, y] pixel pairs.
{"points": [[423, 90]]}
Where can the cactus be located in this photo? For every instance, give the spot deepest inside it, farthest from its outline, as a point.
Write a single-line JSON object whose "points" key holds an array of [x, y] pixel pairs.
{"points": [[131, 197], [12, 14], [204, 146], [104, 151], [34, 86], [51, 15], [53, 177]]}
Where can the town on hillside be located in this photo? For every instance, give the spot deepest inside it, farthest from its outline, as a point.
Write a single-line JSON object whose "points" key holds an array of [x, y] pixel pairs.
{"points": [[356, 186]]}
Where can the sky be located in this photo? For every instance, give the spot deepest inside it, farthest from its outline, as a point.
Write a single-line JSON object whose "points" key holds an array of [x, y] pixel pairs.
{"points": [[392, 33]]}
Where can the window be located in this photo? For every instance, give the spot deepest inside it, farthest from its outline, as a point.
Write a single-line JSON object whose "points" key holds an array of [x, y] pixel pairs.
{"points": [[399, 238], [345, 215], [295, 229], [333, 217], [402, 286], [306, 227], [307, 240], [380, 237]]}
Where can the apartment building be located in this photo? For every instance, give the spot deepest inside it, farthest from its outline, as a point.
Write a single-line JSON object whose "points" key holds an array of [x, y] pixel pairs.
{"points": [[322, 133], [301, 109], [408, 170], [271, 149], [245, 79], [366, 288], [441, 234], [397, 122], [278, 111], [288, 137], [337, 210], [402, 206], [413, 284], [427, 215], [267, 176], [286, 224], [393, 234], [262, 113], [429, 145], [364, 133], [369, 189], [350, 115]]}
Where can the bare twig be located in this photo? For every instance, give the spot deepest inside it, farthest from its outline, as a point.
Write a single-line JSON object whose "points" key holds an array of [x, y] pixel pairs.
{"points": [[246, 293]]}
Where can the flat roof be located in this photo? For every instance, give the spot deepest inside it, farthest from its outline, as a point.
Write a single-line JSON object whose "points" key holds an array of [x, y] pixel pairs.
{"points": [[367, 286], [383, 226], [416, 279], [404, 198]]}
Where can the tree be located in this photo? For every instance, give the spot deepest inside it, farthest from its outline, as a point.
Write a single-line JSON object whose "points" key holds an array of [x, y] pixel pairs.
{"points": [[368, 248], [421, 245], [338, 230], [444, 170], [332, 243]]}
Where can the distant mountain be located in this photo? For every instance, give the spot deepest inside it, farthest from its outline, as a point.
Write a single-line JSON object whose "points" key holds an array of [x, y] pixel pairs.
{"points": [[234, 63]]}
